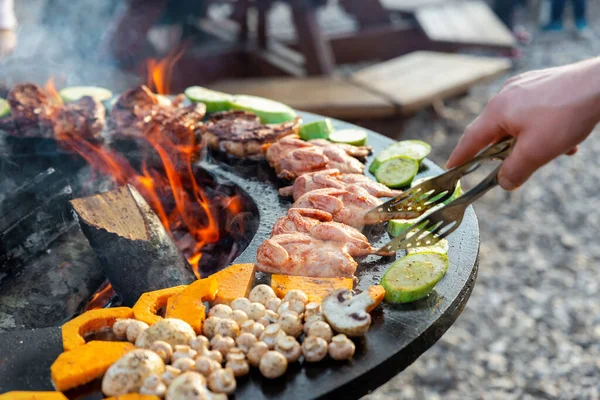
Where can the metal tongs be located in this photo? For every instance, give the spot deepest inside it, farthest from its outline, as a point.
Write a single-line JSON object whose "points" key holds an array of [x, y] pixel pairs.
{"points": [[417, 201]]}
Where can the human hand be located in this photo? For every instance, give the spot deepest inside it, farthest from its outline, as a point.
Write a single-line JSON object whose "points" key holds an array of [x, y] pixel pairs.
{"points": [[549, 111]]}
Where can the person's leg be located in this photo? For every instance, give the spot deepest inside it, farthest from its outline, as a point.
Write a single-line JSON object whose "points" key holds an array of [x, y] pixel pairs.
{"points": [[505, 10], [579, 8], [558, 8], [8, 25]]}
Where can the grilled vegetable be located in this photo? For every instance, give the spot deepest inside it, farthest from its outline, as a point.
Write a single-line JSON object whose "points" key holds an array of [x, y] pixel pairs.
{"points": [[415, 149], [73, 332], [414, 276], [214, 101], [354, 137], [269, 111], [234, 281], [4, 108], [398, 226], [74, 93], [315, 288], [149, 303], [187, 305], [441, 247], [316, 130], [397, 172]]}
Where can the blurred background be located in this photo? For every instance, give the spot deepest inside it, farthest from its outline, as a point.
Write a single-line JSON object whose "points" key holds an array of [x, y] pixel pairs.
{"points": [[407, 69]]}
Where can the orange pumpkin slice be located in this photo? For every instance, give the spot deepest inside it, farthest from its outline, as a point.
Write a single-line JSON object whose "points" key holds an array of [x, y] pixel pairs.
{"points": [[234, 281], [315, 288], [150, 302], [187, 305], [86, 363], [32, 396], [134, 396], [73, 332], [377, 293]]}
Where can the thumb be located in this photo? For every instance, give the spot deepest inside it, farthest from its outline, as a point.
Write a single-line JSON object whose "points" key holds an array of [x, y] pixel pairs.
{"points": [[519, 165]]}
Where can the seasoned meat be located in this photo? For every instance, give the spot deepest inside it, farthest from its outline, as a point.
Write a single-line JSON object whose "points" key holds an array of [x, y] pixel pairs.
{"points": [[302, 255], [292, 157], [31, 112], [240, 133], [83, 118], [332, 178], [319, 225], [347, 206]]}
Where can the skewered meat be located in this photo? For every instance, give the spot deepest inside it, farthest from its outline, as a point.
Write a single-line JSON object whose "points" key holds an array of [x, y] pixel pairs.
{"points": [[319, 225], [332, 178], [240, 133], [292, 157], [33, 114], [138, 111], [302, 255], [347, 206]]}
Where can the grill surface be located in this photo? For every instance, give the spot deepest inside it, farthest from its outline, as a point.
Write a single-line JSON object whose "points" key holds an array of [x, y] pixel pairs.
{"points": [[398, 336]]}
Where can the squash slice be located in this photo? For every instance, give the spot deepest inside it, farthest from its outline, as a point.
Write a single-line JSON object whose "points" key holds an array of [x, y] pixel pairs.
{"points": [[32, 396], [150, 302], [134, 396], [86, 363], [187, 305], [315, 288], [377, 293], [73, 332], [234, 281]]}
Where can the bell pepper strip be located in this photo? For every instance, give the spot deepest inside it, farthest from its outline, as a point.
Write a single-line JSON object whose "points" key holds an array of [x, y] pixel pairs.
{"points": [[149, 303], [187, 305], [74, 331]]}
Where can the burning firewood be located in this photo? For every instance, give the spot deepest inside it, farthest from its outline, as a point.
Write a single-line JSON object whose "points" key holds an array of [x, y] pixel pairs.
{"points": [[35, 114], [240, 133], [134, 249]]}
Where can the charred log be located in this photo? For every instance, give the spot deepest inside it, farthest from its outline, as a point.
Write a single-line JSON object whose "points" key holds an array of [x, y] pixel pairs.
{"points": [[134, 249]]}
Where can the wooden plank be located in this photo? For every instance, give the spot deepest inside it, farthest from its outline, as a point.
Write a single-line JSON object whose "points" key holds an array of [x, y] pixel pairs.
{"points": [[464, 22], [331, 96], [418, 79]]}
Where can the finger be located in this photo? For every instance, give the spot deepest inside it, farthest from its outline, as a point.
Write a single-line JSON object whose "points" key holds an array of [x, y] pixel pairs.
{"points": [[482, 132], [520, 165], [573, 151]]}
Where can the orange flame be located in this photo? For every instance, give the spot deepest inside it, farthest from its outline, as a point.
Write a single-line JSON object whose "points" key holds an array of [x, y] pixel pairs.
{"points": [[52, 92], [101, 297], [160, 71]]}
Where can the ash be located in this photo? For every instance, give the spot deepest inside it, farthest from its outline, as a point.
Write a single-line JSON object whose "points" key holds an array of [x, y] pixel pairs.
{"points": [[531, 329]]}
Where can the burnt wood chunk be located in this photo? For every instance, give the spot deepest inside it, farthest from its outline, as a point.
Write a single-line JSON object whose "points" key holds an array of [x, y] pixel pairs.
{"points": [[134, 250], [32, 217]]}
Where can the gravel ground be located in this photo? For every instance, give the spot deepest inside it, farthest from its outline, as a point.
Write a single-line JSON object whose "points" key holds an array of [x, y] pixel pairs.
{"points": [[531, 329]]}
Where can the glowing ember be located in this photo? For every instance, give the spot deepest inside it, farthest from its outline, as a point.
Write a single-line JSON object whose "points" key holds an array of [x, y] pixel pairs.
{"points": [[170, 189]]}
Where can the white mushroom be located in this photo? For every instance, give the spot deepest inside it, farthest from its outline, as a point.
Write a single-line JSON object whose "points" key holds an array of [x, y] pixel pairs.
{"points": [[261, 294], [182, 351], [129, 372], [222, 344], [170, 330], [227, 327], [209, 326], [241, 303], [184, 364], [236, 361], [290, 323], [119, 328], [269, 318], [271, 334], [314, 349], [245, 341], [163, 349], [256, 352], [320, 329], [170, 374], [255, 328], [214, 355], [341, 348], [273, 364], [283, 307], [135, 329], [273, 304], [255, 311], [188, 386], [200, 344], [297, 306], [298, 295], [312, 309], [221, 311], [308, 322], [239, 316], [346, 313], [289, 347], [206, 366], [222, 381], [154, 386]]}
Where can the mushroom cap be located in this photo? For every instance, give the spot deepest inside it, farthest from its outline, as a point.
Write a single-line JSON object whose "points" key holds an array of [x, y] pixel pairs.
{"points": [[256, 352], [170, 330], [222, 381], [222, 343], [347, 313], [295, 294], [184, 364], [135, 329], [320, 329], [245, 341], [314, 348], [129, 372], [188, 386], [273, 304], [163, 349], [341, 348], [221, 311], [289, 347], [227, 327], [256, 311], [261, 294], [239, 316], [273, 364]]}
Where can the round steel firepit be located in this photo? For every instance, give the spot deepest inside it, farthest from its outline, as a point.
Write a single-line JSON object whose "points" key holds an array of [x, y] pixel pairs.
{"points": [[398, 336]]}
